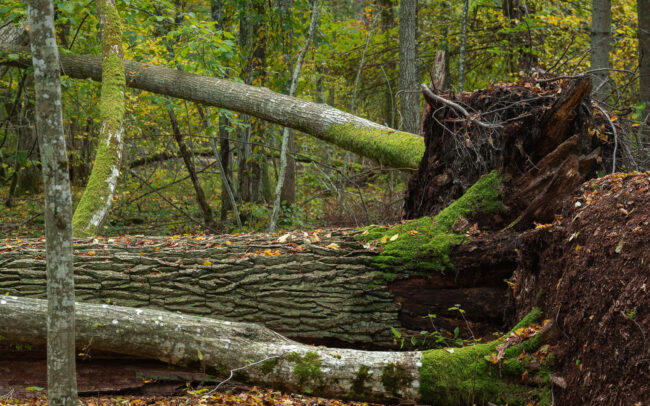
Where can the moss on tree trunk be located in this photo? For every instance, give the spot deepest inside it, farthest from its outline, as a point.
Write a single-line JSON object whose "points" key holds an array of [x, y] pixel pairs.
{"points": [[95, 204]]}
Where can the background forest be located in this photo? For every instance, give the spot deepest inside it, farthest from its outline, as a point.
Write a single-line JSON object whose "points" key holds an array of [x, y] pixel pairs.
{"points": [[353, 63]]}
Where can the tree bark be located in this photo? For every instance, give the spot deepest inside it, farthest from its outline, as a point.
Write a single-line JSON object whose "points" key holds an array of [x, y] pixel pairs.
{"points": [[286, 134], [392, 148], [58, 209], [95, 204], [643, 7], [463, 47], [339, 289], [408, 78], [601, 25], [260, 356]]}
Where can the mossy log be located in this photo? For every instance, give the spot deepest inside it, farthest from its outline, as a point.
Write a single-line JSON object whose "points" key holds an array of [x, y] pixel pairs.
{"points": [[263, 357], [341, 288], [392, 148]]}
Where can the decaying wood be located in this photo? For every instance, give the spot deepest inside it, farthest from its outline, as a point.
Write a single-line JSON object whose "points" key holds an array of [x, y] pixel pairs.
{"points": [[541, 138]]}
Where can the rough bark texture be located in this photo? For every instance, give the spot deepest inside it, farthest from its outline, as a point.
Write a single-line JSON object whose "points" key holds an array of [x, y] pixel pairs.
{"points": [[264, 357], [94, 206], [392, 148], [601, 25], [408, 76], [310, 293], [58, 210]]}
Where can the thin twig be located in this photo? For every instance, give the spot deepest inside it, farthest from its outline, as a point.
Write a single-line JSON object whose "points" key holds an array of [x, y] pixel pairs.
{"points": [[457, 107], [232, 371]]}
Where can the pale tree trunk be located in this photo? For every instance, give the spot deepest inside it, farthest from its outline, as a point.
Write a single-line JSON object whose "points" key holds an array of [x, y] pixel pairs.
{"points": [[392, 148], [262, 357], [463, 46], [643, 7], [94, 206], [285, 134], [62, 386], [408, 76], [601, 24]]}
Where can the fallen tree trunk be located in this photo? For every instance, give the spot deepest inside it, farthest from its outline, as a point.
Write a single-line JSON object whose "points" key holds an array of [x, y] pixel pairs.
{"points": [[308, 292], [257, 355], [392, 148], [342, 288]]}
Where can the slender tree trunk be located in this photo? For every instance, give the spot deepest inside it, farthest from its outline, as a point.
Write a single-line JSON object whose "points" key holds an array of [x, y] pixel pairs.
{"points": [[392, 148], [61, 377], [601, 24], [286, 136], [409, 80], [288, 194], [387, 20], [463, 47], [208, 218], [643, 7], [227, 184], [94, 206]]}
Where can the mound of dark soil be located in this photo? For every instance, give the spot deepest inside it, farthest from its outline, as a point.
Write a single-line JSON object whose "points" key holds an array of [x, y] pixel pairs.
{"points": [[590, 271]]}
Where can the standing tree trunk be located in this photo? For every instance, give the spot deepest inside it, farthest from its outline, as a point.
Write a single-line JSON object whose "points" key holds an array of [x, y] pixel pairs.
{"points": [[95, 204], [463, 46], [61, 376], [643, 7], [286, 136], [601, 24], [408, 77]]}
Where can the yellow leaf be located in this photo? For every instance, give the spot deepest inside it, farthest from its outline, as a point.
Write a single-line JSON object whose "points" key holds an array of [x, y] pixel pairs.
{"points": [[157, 249], [384, 239], [92, 253], [228, 243], [333, 246], [393, 238], [206, 262]]}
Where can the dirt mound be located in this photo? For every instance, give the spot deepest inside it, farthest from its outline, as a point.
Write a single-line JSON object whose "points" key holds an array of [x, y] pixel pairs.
{"points": [[590, 271]]}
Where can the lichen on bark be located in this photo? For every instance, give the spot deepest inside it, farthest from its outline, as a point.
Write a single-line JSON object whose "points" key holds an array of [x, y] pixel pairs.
{"points": [[95, 204]]}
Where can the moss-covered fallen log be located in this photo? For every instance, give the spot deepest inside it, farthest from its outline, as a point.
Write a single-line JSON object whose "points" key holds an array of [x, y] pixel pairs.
{"points": [[393, 148], [482, 373], [340, 288]]}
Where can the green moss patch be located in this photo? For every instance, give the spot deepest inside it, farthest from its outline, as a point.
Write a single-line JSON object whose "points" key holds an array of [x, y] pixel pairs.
{"points": [[394, 378], [307, 368], [423, 244], [465, 375], [396, 149], [359, 381]]}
